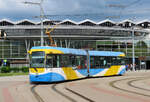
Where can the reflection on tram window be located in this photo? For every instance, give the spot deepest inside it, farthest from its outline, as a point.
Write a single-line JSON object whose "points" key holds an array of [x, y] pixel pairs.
{"points": [[81, 62], [73, 61], [37, 59], [52, 61], [100, 62], [121, 61], [57, 61], [65, 61], [105, 61], [49, 61], [118, 60]]}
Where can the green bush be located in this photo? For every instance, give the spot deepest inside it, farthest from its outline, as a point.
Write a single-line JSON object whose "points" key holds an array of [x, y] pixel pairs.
{"points": [[25, 69], [15, 70], [5, 69]]}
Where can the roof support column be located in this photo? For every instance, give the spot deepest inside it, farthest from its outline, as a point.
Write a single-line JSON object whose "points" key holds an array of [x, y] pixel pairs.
{"points": [[27, 43]]}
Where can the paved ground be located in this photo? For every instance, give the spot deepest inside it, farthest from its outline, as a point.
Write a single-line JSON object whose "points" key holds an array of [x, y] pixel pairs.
{"points": [[132, 87]]}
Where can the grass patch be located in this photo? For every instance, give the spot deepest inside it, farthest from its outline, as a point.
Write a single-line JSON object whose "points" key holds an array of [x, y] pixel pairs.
{"points": [[12, 74]]}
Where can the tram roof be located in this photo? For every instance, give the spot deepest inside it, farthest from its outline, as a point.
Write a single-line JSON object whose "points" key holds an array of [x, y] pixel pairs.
{"points": [[64, 50], [105, 53], [81, 51]]}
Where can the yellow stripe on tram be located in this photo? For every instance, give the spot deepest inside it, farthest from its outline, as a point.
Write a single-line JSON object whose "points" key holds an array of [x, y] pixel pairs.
{"points": [[113, 70], [70, 73], [37, 70], [47, 51], [122, 55]]}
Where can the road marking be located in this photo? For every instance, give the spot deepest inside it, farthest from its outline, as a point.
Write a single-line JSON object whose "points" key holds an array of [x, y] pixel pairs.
{"points": [[118, 94], [7, 95]]}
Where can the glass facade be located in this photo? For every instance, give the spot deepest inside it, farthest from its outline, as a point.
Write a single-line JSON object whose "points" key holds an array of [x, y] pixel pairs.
{"points": [[105, 36], [12, 49], [18, 49], [142, 47]]}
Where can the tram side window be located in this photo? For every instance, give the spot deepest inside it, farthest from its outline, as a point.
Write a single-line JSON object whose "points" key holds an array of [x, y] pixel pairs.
{"points": [[100, 62], [53, 61], [81, 62], [49, 61], [114, 60], [92, 62], [65, 61], [118, 61], [108, 58], [104, 61], [121, 61], [97, 62], [72, 60]]}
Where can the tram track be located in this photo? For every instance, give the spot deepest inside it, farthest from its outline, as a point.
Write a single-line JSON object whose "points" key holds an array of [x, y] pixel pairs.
{"points": [[71, 91], [36, 95], [129, 83], [62, 94], [68, 93], [79, 95]]}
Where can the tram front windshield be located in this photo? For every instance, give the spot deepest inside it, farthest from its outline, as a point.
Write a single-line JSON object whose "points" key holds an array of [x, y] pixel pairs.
{"points": [[37, 59]]}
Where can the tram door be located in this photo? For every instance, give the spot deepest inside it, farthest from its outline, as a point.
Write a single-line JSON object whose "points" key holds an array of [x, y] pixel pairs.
{"points": [[67, 63], [81, 66], [74, 66], [112, 65], [119, 63]]}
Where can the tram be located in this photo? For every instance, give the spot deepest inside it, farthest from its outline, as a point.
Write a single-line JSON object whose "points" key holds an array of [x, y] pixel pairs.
{"points": [[53, 64]]}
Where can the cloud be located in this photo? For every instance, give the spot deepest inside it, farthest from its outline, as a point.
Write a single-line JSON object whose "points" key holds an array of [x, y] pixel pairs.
{"points": [[73, 6], [15, 9]]}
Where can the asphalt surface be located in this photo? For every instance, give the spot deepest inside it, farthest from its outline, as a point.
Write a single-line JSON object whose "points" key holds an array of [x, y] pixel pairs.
{"points": [[131, 87]]}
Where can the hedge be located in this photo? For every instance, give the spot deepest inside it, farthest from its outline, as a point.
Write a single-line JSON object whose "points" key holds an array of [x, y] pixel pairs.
{"points": [[25, 69], [6, 69], [15, 70]]}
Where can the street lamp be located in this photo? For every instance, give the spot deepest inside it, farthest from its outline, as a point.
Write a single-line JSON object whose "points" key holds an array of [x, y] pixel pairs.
{"points": [[41, 17], [133, 53]]}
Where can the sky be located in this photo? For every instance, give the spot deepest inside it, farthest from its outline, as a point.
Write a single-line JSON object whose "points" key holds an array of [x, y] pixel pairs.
{"points": [[76, 10]]}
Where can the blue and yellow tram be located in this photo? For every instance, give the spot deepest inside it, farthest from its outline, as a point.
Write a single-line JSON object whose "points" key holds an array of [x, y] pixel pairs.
{"points": [[52, 64]]}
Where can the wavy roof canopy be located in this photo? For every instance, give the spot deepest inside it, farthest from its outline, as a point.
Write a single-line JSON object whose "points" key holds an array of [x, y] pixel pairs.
{"points": [[107, 20], [127, 20], [67, 22], [6, 22], [25, 22], [87, 22], [143, 21]]}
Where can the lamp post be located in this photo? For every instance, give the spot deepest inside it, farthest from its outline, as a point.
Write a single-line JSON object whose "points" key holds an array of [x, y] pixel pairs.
{"points": [[133, 49], [41, 17]]}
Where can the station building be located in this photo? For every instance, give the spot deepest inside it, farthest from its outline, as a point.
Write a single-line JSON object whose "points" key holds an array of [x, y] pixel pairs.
{"points": [[105, 35]]}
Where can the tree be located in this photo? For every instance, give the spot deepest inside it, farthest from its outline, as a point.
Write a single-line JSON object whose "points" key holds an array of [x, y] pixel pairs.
{"points": [[141, 44]]}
